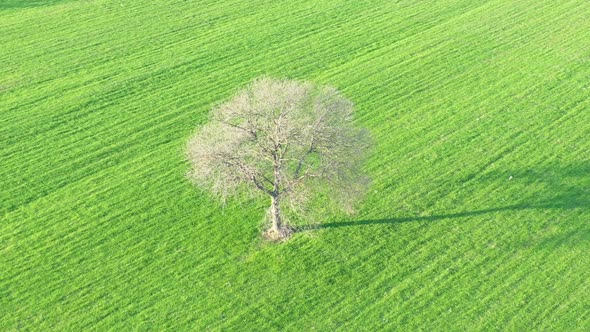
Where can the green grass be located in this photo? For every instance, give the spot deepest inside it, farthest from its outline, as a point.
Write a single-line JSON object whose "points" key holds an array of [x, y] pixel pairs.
{"points": [[478, 218]]}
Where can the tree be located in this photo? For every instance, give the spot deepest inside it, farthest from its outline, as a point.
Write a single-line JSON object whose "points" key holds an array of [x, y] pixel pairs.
{"points": [[288, 140]]}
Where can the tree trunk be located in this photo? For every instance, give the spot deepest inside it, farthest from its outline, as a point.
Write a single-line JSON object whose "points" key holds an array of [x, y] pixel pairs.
{"points": [[275, 214], [277, 230]]}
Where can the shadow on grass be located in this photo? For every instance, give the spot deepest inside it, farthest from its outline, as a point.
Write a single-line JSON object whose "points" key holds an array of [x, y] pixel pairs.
{"points": [[421, 218], [22, 4], [555, 187]]}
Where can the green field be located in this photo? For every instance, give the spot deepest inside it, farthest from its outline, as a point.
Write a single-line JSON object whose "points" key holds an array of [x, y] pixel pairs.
{"points": [[479, 213]]}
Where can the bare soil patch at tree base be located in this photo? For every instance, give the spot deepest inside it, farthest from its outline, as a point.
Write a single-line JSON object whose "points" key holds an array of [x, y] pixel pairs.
{"points": [[276, 236]]}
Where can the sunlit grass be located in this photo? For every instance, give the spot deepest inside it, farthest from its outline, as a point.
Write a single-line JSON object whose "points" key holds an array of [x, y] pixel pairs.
{"points": [[478, 214]]}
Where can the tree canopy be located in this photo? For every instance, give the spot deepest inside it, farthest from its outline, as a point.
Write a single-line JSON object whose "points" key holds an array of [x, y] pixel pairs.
{"points": [[284, 139]]}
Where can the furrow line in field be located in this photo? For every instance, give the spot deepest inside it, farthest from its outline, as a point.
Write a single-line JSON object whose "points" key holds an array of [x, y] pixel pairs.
{"points": [[431, 276], [122, 148], [407, 253], [360, 263], [246, 19], [540, 313], [424, 48], [474, 121]]}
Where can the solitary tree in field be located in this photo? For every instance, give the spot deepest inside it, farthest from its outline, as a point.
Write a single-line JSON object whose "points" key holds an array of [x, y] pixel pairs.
{"points": [[287, 140]]}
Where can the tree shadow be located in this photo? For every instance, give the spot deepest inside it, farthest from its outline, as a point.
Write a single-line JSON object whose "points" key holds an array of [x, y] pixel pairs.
{"points": [[22, 4], [553, 187], [422, 218]]}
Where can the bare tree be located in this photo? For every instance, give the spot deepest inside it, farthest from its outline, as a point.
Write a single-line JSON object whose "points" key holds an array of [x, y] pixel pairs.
{"points": [[287, 140]]}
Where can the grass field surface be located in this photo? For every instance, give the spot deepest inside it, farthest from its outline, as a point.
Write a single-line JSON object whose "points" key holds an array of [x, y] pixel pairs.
{"points": [[478, 217]]}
